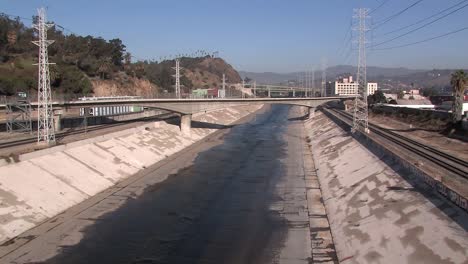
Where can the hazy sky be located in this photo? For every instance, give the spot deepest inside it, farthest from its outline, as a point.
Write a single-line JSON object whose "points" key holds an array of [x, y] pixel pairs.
{"points": [[262, 35]]}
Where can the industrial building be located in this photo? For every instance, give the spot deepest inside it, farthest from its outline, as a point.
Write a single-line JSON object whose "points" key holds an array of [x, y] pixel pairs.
{"points": [[346, 86]]}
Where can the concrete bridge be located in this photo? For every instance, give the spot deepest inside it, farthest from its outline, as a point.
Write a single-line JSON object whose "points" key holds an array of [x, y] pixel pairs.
{"points": [[187, 107]]}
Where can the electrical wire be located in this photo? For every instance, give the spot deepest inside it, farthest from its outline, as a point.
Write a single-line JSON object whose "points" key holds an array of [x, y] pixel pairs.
{"points": [[383, 22], [30, 19], [424, 19], [416, 29], [425, 40], [378, 7]]}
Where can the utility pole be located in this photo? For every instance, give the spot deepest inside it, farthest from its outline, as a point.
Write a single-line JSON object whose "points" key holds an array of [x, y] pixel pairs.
{"points": [[243, 87], [305, 83], [45, 113], [313, 82], [360, 117], [224, 86], [177, 77], [324, 78], [255, 89]]}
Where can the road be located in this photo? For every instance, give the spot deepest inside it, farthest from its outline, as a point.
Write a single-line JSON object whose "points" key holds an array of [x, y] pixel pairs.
{"points": [[238, 197]]}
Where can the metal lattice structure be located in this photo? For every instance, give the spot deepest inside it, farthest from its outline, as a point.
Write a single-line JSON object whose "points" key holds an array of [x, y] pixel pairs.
{"points": [[323, 91], [45, 114], [313, 83], [177, 78], [360, 116], [255, 89], [19, 116], [223, 93]]}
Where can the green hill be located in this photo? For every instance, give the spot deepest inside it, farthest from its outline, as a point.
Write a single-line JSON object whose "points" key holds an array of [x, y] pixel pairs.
{"points": [[87, 65]]}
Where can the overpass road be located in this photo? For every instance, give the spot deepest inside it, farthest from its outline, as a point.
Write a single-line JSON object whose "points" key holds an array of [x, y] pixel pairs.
{"points": [[242, 199]]}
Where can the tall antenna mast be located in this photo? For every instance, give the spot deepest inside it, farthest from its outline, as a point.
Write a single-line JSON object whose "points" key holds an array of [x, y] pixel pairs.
{"points": [[360, 117], [177, 77], [45, 113]]}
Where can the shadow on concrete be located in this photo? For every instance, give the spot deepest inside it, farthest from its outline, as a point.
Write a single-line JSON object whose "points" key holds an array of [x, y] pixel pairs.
{"points": [[199, 124], [299, 118], [415, 129], [447, 207], [79, 127]]}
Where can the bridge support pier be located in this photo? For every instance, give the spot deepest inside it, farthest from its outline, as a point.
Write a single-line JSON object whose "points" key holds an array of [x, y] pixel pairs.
{"points": [[294, 93], [311, 112], [185, 124], [57, 120]]}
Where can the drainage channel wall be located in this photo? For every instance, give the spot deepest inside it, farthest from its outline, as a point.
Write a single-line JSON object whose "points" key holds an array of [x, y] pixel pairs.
{"points": [[379, 211], [418, 175], [41, 184]]}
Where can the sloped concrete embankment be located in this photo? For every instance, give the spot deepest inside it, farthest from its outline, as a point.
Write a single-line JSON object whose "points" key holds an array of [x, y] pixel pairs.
{"points": [[41, 184], [376, 214]]}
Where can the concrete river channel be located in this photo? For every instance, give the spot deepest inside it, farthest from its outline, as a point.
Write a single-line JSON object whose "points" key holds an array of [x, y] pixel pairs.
{"points": [[238, 196]]}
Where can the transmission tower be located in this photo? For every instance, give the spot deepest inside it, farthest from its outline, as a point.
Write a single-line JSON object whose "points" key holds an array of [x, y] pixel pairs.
{"points": [[177, 77], [313, 81], [223, 93], [360, 117], [324, 78], [255, 89], [45, 113]]}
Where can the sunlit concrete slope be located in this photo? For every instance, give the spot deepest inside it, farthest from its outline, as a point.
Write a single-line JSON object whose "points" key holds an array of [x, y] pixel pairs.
{"points": [[44, 183]]}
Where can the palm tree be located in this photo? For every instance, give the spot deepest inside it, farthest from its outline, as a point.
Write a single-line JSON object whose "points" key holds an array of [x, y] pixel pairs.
{"points": [[459, 81]]}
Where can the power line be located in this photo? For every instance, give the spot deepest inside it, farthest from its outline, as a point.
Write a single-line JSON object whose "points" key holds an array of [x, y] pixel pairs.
{"points": [[383, 22], [346, 38], [424, 19], [346, 43], [416, 29], [30, 19], [378, 7], [425, 40]]}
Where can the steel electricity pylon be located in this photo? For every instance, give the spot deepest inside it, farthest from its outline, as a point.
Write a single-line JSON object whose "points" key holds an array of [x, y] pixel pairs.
{"points": [[45, 113], [313, 82], [177, 77], [223, 93], [360, 117], [323, 91]]}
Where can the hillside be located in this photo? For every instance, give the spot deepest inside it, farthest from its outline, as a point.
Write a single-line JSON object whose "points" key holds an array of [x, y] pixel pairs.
{"points": [[94, 66], [332, 72]]}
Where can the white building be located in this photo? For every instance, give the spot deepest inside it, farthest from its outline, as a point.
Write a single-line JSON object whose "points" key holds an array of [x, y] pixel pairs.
{"points": [[346, 86]]}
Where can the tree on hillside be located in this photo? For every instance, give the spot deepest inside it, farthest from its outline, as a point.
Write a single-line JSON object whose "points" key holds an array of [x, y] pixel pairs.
{"points": [[459, 81], [429, 91], [117, 49], [400, 95], [376, 98]]}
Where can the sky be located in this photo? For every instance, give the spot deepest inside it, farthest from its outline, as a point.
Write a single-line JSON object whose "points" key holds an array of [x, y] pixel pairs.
{"points": [[265, 35]]}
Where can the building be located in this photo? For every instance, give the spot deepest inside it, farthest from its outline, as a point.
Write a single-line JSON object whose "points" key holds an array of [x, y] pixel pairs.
{"points": [[346, 86], [205, 93]]}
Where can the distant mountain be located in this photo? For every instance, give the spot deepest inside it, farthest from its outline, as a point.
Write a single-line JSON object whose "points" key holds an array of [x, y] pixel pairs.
{"points": [[268, 77], [332, 73], [372, 71]]}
